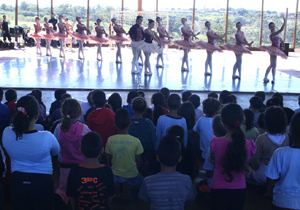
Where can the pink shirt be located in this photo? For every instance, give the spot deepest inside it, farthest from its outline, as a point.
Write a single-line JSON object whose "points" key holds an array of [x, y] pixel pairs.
{"points": [[218, 148]]}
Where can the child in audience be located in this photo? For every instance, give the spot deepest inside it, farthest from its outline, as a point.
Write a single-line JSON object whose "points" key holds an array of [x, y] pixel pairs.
{"points": [[275, 137], [248, 128], [166, 92], [195, 100], [166, 121], [185, 95], [101, 119], [56, 115], [125, 153], [56, 104], [86, 106], [262, 95], [230, 154], [168, 189], [274, 102], [261, 123], [131, 95], [225, 97], [5, 115], [211, 107], [69, 134], [212, 95], [115, 101], [298, 110], [187, 111], [143, 129], [255, 104], [148, 114], [280, 96], [38, 95], [283, 169], [91, 185], [11, 98], [234, 99], [158, 100]]}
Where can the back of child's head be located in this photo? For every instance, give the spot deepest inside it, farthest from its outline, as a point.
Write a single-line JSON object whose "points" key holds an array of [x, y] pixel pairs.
{"points": [[158, 100], [10, 95], [169, 151], [139, 105], [217, 126], [115, 101], [91, 145], [58, 93], [256, 102], [234, 99], [235, 158], [275, 120], [211, 107], [177, 132], [295, 127], [278, 95], [274, 102], [1, 94], [249, 118], [89, 98], [148, 114], [99, 98], [71, 111], [165, 91], [64, 97], [122, 118], [195, 100], [225, 97], [108, 106], [261, 121], [37, 93], [141, 93], [131, 95], [187, 111], [261, 94], [173, 102], [185, 95], [212, 95], [289, 114]]}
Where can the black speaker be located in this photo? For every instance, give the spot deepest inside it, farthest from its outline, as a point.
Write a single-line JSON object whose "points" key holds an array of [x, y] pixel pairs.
{"points": [[286, 48]]}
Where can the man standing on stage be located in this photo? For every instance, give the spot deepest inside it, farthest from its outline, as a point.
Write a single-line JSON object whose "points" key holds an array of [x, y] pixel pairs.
{"points": [[137, 36], [5, 31], [53, 21]]}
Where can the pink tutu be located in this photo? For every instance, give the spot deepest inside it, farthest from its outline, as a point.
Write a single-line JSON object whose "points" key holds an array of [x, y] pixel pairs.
{"points": [[80, 36], [165, 41], [273, 51], [209, 47], [237, 49], [99, 40], [60, 35], [186, 44], [48, 36], [117, 38], [35, 35]]}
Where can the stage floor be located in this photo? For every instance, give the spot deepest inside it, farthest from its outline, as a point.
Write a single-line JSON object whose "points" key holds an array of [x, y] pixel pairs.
{"points": [[23, 69]]}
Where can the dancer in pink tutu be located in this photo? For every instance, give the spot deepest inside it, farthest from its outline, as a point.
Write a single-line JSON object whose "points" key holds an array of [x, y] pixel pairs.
{"points": [[62, 34], [210, 46], [81, 36], [37, 35], [118, 38], [48, 36], [274, 50], [186, 43], [99, 39], [165, 40], [238, 49]]}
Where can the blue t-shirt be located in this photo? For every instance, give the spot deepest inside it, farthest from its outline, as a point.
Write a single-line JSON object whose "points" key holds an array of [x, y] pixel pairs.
{"points": [[129, 108], [5, 117], [284, 165]]}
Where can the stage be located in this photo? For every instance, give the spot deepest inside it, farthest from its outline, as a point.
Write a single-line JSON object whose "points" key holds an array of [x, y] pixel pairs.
{"points": [[23, 69]]}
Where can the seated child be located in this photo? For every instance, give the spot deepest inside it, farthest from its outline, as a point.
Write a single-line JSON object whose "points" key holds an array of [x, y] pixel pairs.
{"points": [[11, 98], [86, 106], [185, 95], [248, 127], [255, 104], [262, 95], [158, 100], [57, 104], [131, 95], [195, 100], [115, 101], [298, 110], [5, 115]]}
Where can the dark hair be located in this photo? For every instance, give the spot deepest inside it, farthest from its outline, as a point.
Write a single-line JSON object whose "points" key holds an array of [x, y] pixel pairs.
{"points": [[148, 114], [238, 23], [99, 20], [256, 102], [1, 92], [261, 121], [275, 120], [169, 151], [217, 126], [273, 102], [115, 101], [64, 97], [37, 93], [295, 127], [157, 18], [99, 98], [234, 99], [150, 21], [185, 95], [10, 95], [271, 24], [108, 106], [58, 93], [70, 110], [139, 105], [141, 93], [177, 132], [225, 97], [289, 114], [158, 100], [22, 118], [249, 118], [166, 92], [261, 94], [122, 118], [280, 96], [173, 101], [195, 100], [139, 17], [131, 95], [89, 98], [187, 111], [206, 22], [235, 158], [211, 107], [91, 145], [212, 95]]}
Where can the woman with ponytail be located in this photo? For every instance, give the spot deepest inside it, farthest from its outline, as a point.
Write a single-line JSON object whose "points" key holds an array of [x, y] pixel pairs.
{"points": [[69, 134], [230, 155], [158, 100], [30, 152]]}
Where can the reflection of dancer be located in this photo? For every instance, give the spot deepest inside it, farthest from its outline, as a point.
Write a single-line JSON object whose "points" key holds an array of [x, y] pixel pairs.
{"points": [[99, 39], [238, 49], [186, 43], [118, 38], [70, 30], [137, 36], [164, 41], [61, 35], [37, 35], [274, 50], [81, 36], [148, 46], [210, 46], [48, 36]]}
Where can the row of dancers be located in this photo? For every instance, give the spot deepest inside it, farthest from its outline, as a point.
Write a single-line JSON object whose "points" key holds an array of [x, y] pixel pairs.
{"points": [[149, 41]]}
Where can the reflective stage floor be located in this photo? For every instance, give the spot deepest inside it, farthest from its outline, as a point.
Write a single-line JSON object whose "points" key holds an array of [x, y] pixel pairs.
{"points": [[23, 69]]}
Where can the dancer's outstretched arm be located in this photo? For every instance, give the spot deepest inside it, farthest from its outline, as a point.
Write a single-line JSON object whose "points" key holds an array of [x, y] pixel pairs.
{"points": [[216, 36], [280, 30], [243, 41]]}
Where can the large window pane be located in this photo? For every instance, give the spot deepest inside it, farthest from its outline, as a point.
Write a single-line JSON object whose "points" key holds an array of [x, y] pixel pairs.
{"points": [[27, 11]]}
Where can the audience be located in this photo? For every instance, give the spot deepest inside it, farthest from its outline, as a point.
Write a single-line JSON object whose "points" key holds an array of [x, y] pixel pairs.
{"points": [[166, 92], [56, 104], [298, 110], [131, 95], [212, 95], [11, 98], [195, 100], [255, 104], [85, 106], [185, 95], [262, 95], [225, 97], [158, 100], [115, 101], [247, 127], [5, 115]]}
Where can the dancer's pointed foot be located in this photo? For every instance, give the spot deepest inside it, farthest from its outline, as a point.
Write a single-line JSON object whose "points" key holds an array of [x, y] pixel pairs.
{"points": [[266, 80], [148, 73], [207, 74], [118, 61], [235, 77], [135, 72], [98, 59], [184, 69], [272, 82], [141, 64], [159, 66], [47, 54]]}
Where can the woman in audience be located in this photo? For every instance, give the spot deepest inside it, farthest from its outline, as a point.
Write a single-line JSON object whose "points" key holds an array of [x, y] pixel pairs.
{"points": [[158, 100], [30, 152], [248, 128]]}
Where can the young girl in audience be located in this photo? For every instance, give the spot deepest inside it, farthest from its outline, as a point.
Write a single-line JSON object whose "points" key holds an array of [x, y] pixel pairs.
{"points": [[230, 154], [69, 134], [248, 128], [30, 152], [195, 100], [158, 100], [115, 101], [11, 98], [38, 95]]}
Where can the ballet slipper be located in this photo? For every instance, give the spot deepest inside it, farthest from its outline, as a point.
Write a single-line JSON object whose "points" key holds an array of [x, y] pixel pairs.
{"points": [[207, 74], [148, 73], [266, 80]]}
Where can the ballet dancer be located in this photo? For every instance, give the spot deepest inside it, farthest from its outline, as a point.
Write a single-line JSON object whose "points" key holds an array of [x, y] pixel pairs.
{"points": [[238, 49], [62, 34], [274, 50], [118, 38], [70, 30], [48, 36], [148, 46], [210, 46], [165, 40], [186, 43], [37, 35], [81, 36], [136, 34], [99, 39]]}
